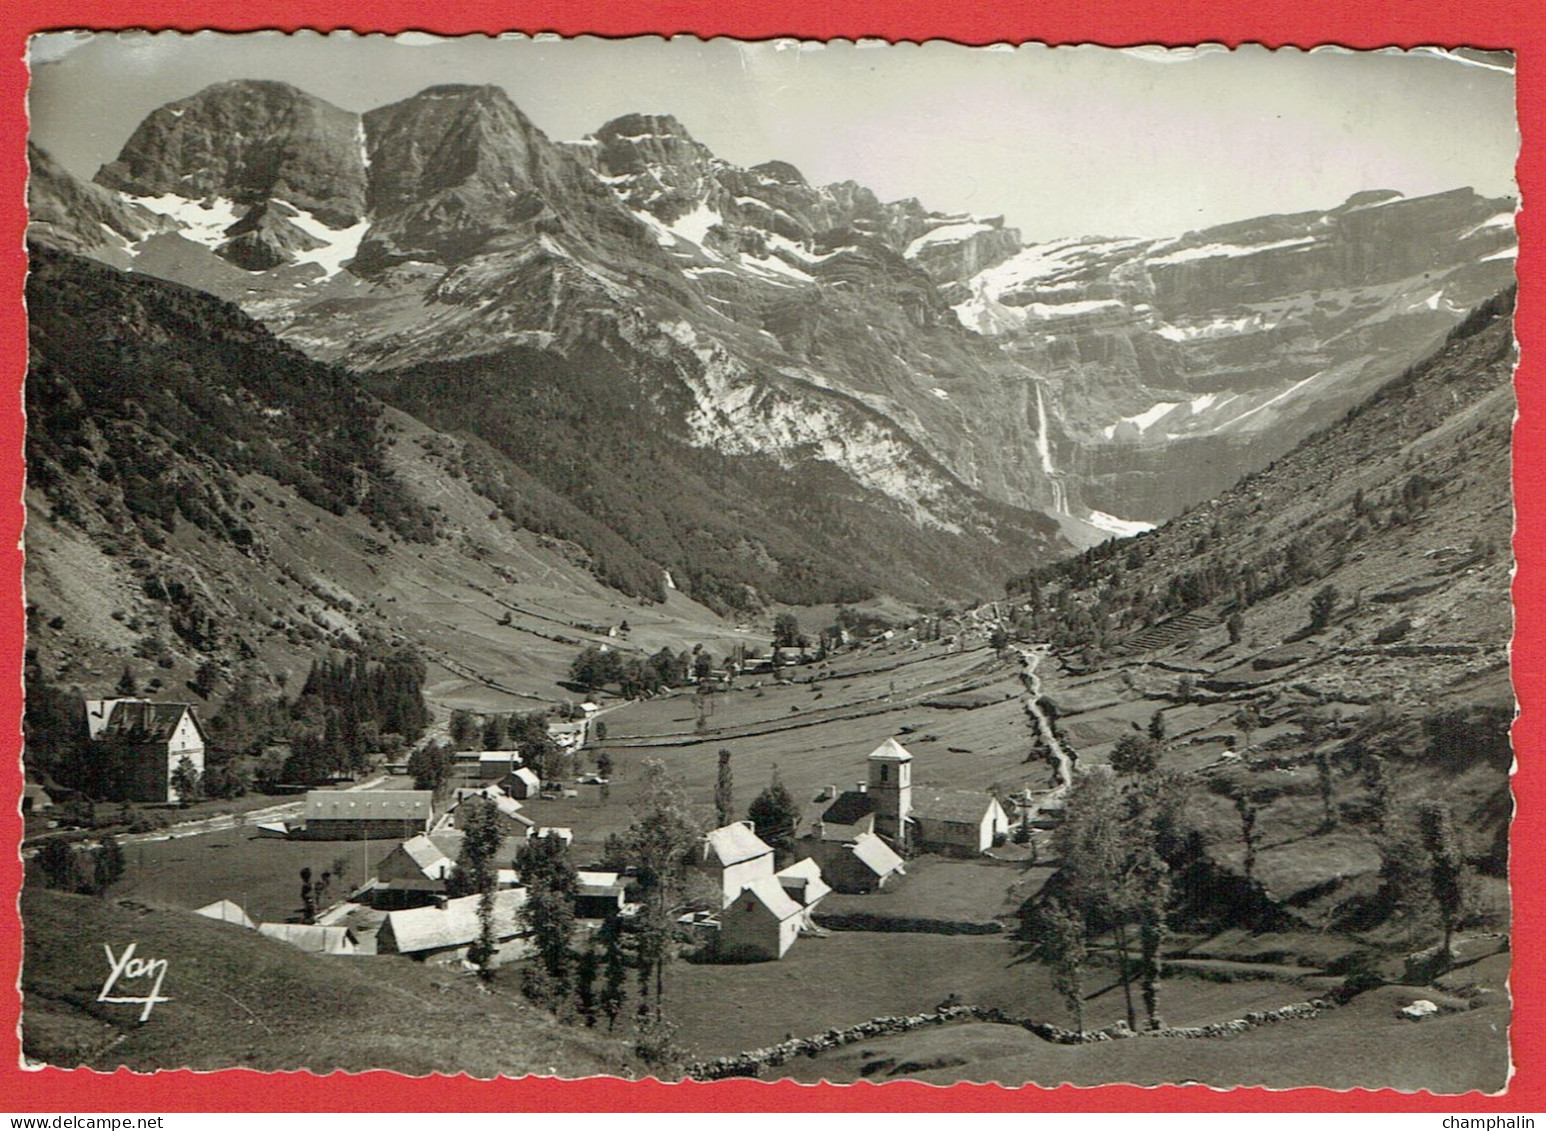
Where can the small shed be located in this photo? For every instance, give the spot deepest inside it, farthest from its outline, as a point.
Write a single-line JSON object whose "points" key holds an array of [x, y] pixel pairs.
{"points": [[34, 798], [522, 783], [413, 873], [515, 822], [600, 895]]}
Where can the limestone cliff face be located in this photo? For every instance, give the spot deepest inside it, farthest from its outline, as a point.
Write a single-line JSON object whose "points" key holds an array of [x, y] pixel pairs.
{"points": [[1179, 364], [248, 142]]}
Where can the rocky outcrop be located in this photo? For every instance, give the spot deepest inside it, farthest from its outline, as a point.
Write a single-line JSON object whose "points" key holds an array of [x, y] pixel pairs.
{"points": [[457, 171], [75, 216], [265, 237]]}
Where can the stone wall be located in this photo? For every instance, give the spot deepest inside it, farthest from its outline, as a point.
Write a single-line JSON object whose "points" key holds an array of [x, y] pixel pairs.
{"points": [[753, 1062]]}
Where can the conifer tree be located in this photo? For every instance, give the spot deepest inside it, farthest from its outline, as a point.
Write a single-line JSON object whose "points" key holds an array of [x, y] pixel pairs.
{"points": [[614, 971], [548, 913], [775, 817], [107, 865], [1436, 826], [1065, 950], [724, 792]]}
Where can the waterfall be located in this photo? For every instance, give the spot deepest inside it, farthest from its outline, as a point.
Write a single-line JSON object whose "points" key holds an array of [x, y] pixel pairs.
{"points": [[1044, 449]]}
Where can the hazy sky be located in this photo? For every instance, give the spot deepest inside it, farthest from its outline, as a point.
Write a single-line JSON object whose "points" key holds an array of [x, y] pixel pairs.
{"points": [[1062, 141]]}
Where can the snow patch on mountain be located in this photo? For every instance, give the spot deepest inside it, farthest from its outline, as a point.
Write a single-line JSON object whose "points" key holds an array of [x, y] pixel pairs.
{"points": [[1227, 250], [1121, 527], [1252, 323], [1144, 420], [945, 233], [1500, 220], [1284, 395], [339, 245], [204, 222]]}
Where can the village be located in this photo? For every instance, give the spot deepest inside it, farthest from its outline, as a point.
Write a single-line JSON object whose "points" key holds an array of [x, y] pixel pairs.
{"points": [[828, 818], [849, 840], [377, 861]]}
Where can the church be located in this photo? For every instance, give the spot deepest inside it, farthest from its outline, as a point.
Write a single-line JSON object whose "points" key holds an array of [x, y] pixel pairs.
{"points": [[954, 822]]}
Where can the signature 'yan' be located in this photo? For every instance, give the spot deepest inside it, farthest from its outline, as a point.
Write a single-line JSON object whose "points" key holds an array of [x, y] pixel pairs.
{"points": [[126, 967]]}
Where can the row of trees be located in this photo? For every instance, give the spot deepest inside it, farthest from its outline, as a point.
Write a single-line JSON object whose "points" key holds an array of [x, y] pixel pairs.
{"points": [[83, 870], [595, 668], [589, 982]]}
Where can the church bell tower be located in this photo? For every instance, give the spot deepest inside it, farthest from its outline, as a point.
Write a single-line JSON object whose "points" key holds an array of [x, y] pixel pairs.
{"points": [[891, 785]]}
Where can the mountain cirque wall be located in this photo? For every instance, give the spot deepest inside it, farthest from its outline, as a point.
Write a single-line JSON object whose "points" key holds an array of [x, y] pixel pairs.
{"points": [[1127, 377]]}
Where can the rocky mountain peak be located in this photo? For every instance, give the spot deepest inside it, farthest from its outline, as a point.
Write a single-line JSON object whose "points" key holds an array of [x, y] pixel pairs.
{"points": [[781, 171], [248, 142], [653, 164], [455, 169]]}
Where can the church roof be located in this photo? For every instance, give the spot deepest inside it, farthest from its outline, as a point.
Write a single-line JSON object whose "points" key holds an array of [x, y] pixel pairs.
{"points": [[850, 807], [890, 751], [956, 806]]}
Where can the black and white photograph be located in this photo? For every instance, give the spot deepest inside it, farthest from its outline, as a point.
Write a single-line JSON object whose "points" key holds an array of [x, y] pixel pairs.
{"points": [[818, 561]]}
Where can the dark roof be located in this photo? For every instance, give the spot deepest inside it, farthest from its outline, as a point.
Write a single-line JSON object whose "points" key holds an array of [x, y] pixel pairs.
{"points": [[850, 808], [141, 719], [960, 806]]}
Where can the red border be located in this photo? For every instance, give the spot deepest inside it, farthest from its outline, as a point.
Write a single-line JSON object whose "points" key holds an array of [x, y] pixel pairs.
{"points": [[1519, 25]]}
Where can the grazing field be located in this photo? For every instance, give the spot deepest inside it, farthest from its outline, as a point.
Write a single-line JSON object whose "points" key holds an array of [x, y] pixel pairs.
{"points": [[814, 743], [259, 873], [851, 976], [1361, 1045], [938, 888]]}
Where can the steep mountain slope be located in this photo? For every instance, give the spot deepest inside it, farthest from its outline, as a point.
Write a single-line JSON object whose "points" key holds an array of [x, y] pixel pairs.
{"points": [[1367, 575], [199, 492], [67, 214], [1084, 378]]}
